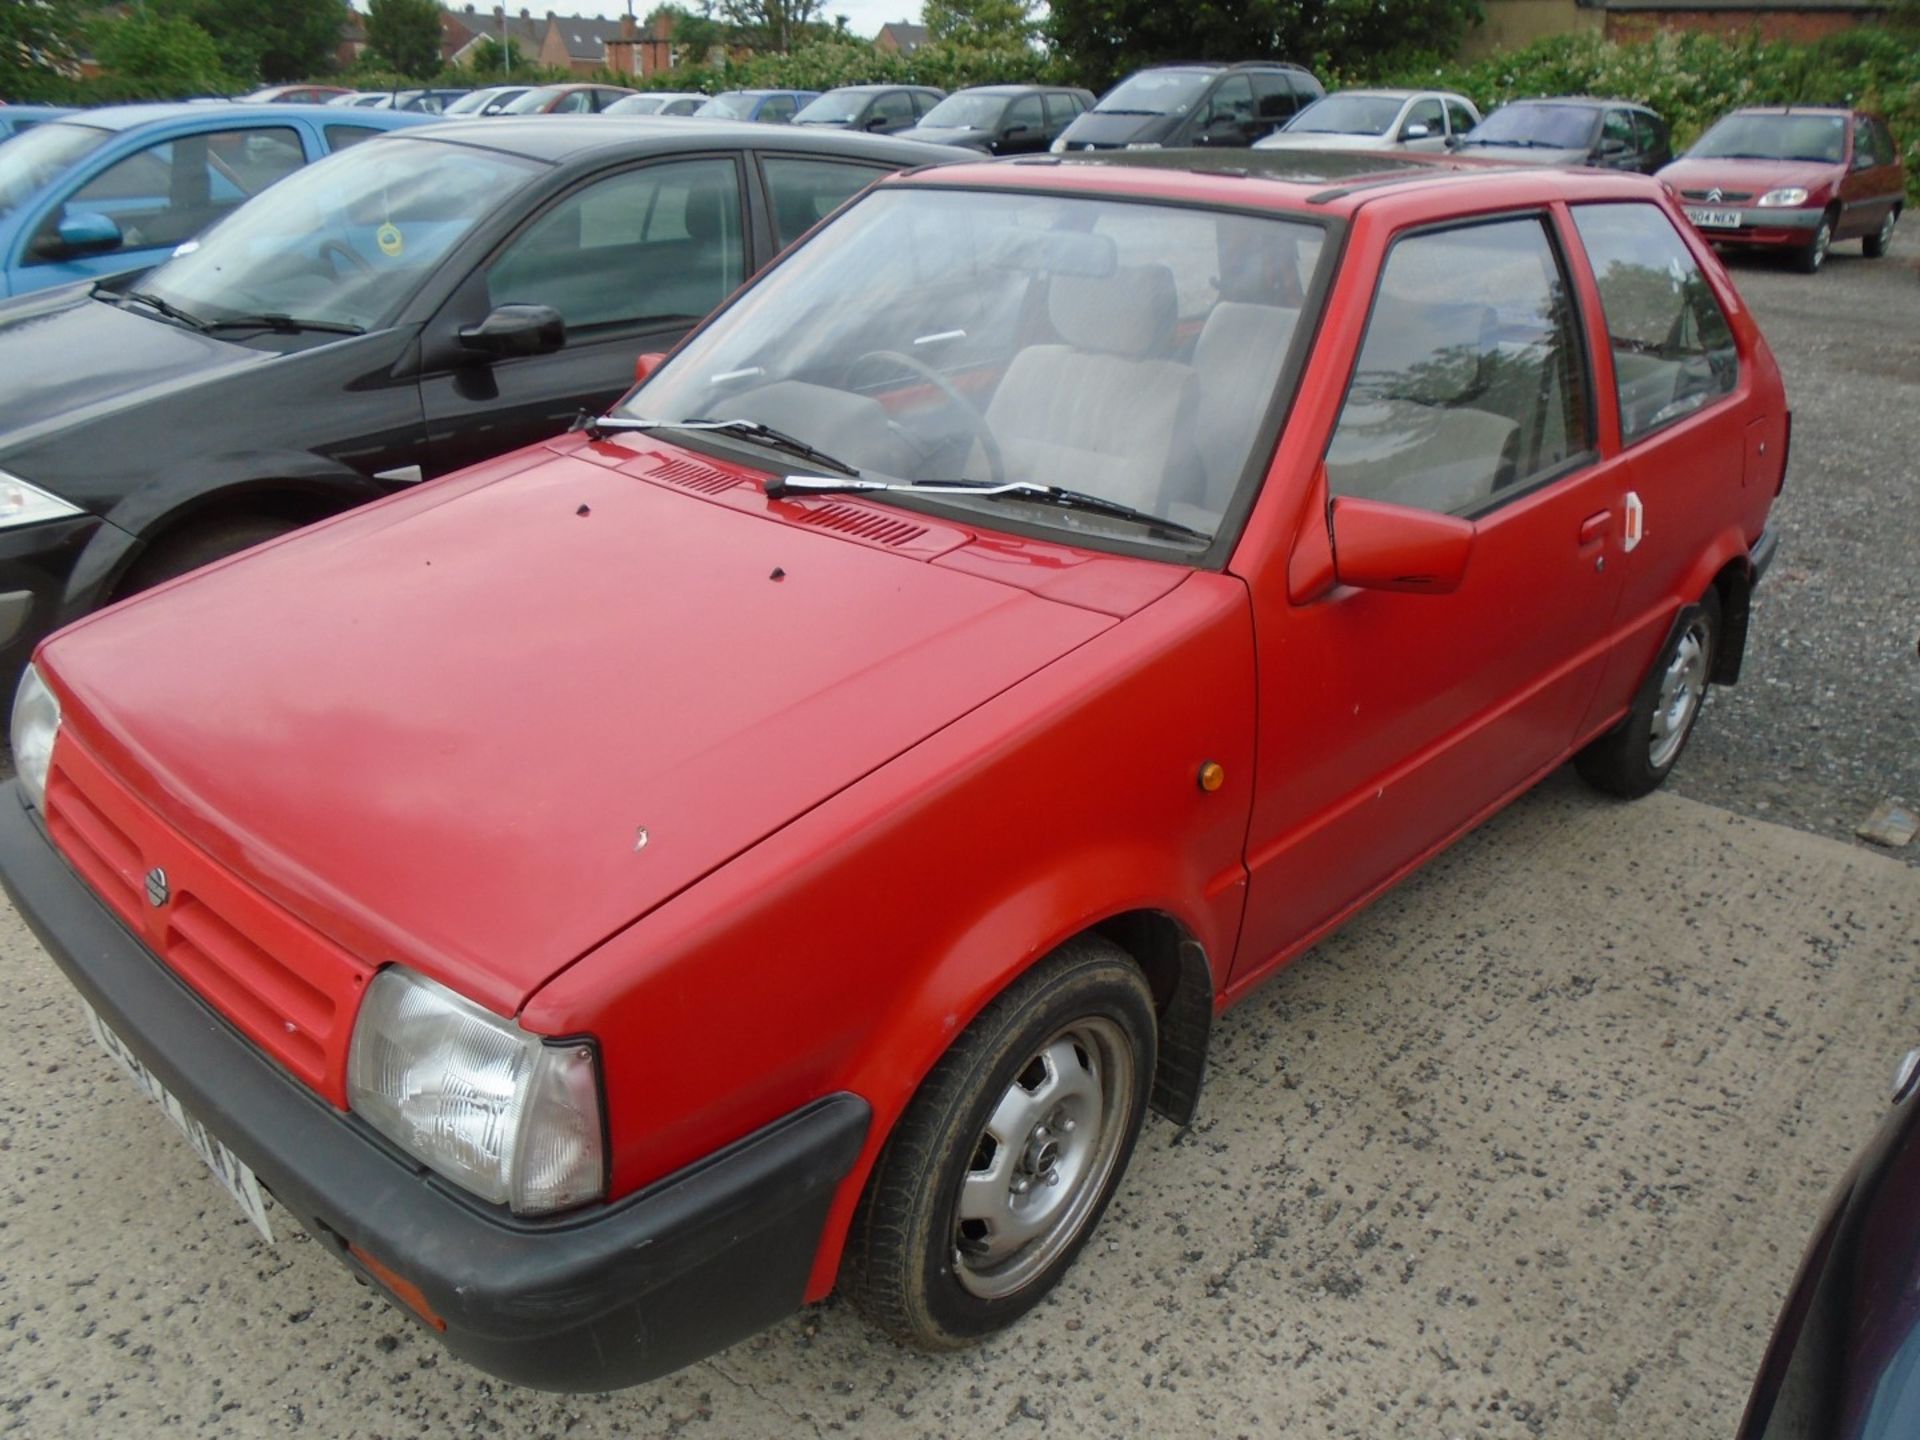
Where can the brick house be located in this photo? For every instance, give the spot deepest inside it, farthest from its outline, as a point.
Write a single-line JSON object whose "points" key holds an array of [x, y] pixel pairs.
{"points": [[1509, 24], [900, 38]]}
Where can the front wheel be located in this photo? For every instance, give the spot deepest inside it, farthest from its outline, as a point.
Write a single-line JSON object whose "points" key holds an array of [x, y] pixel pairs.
{"points": [[1638, 754], [1004, 1161], [1814, 254], [1875, 245]]}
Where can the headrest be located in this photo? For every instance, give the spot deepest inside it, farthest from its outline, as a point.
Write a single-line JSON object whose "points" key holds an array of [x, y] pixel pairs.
{"points": [[1130, 312], [706, 212]]}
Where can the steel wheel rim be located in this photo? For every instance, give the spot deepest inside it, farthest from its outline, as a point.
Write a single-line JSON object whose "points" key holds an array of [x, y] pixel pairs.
{"points": [[1822, 239], [1683, 685], [1886, 229], [1040, 1164]]}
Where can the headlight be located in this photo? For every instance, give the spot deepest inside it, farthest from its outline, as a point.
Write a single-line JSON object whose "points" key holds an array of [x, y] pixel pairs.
{"points": [[36, 720], [1058, 147], [1143, 145], [1786, 195], [24, 504], [512, 1117]]}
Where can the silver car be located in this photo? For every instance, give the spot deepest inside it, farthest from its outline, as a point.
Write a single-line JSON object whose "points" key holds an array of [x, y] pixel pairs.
{"points": [[1377, 120]]}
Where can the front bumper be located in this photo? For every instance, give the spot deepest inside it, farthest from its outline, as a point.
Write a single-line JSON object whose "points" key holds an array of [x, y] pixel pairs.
{"points": [[1788, 229], [591, 1300]]}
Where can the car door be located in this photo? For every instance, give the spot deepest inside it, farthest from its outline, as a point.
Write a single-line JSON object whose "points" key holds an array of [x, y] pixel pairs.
{"points": [[1274, 101], [1226, 117], [1427, 116], [802, 190], [1685, 445], [1023, 129], [631, 260], [1867, 190], [1617, 149], [157, 196], [890, 111], [1390, 721], [1062, 110]]}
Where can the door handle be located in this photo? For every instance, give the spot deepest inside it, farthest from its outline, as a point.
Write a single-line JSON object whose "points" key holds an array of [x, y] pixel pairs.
{"points": [[1593, 529]]}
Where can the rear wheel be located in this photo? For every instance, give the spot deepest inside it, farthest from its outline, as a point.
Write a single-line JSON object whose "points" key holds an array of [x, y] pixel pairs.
{"points": [[1638, 754], [1003, 1163], [193, 545], [1875, 245]]}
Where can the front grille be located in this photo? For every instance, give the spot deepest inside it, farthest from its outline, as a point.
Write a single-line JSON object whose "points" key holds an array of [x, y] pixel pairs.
{"points": [[288, 988], [1726, 197]]}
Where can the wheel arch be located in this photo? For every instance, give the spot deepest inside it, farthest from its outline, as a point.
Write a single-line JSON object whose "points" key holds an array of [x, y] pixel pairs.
{"points": [[1734, 583]]}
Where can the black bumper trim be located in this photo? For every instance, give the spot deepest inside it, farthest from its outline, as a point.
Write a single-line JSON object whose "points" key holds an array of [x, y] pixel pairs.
{"points": [[592, 1300]]}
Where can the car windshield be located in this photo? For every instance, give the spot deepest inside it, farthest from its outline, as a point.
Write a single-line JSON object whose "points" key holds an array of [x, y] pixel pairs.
{"points": [[730, 105], [1348, 115], [1131, 352], [534, 102], [345, 241], [836, 107], [1155, 92], [30, 160], [1771, 137], [472, 103], [1562, 127], [966, 112], [637, 105]]}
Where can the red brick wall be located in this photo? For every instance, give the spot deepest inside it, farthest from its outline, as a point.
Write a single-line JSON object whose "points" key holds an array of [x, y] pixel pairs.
{"points": [[1800, 25]]}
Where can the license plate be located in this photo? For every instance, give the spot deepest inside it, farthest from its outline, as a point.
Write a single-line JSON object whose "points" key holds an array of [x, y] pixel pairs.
{"points": [[229, 1169], [1714, 219]]}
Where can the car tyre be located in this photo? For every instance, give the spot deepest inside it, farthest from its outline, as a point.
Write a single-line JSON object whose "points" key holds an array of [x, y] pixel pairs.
{"points": [[192, 546], [1811, 256], [1636, 756], [1875, 245], [1005, 1159]]}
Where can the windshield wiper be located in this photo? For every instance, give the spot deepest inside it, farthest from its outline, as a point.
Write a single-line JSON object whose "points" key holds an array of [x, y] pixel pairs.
{"points": [[799, 485], [172, 312], [283, 325], [598, 427]]}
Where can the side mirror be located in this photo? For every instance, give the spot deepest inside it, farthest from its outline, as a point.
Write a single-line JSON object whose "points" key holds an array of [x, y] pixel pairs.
{"points": [[1012, 131], [1455, 141], [84, 234], [644, 367], [877, 122], [1416, 131], [517, 330], [1377, 546]]}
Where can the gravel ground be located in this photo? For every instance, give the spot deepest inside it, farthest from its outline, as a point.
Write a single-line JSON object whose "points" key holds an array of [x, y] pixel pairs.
{"points": [[1825, 722]]}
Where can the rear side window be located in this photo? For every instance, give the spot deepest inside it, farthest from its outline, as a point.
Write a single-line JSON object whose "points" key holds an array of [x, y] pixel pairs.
{"points": [[1459, 117], [1616, 129], [1273, 97], [659, 243], [1061, 111], [1470, 384], [923, 102], [1673, 350], [804, 192], [341, 137]]}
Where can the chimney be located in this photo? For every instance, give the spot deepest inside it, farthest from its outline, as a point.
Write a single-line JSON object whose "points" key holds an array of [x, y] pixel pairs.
{"points": [[526, 14], [627, 28]]}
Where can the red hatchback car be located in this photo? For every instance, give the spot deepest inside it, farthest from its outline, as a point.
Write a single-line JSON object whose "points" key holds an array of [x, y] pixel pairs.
{"points": [[1793, 178], [788, 832]]}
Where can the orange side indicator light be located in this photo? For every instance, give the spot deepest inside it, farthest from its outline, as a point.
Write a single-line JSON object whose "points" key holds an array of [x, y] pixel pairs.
{"points": [[402, 1289], [1212, 776]]}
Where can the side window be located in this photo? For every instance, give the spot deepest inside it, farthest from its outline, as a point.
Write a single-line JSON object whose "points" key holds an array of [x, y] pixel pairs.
{"points": [[1615, 130], [923, 102], [778, 110], [1061, 111], [1427, 113], [893, 108], [1026, 111], [1672, 349], [804, 192], [1882, 144], [1470, 383], [658, 243], [171, 191], [1647, 134], [1459, 117], [1273, 99], [574, 102], [1233, 100], [1863, 145], [341, 137]]}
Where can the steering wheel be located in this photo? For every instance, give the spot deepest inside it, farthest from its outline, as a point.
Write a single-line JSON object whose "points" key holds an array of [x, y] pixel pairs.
{"points": [[989, 443], [355, 260]]}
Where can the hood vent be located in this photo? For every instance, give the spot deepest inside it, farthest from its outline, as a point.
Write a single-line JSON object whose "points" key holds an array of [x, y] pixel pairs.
{"points": [[852, 520], [692, 475]]}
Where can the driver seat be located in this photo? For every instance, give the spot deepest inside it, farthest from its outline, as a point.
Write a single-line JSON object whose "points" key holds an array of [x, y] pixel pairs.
{"points": [[1107, 411]]}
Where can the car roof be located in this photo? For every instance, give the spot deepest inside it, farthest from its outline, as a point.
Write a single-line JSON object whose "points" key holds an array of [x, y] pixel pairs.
{"points": [[1385, 94], [1324, 182], [1584, 102], [130, 117], [873, 89], [559, 138], [1797, 110]]}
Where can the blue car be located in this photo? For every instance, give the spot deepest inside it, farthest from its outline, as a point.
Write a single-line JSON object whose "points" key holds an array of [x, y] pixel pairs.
{"points": [[16, 118], [767, 107], [104, 193]]}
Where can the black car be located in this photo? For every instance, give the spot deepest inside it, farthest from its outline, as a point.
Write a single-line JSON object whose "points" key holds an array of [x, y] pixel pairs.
{"points": [[384, 316], [1844, 1360], [1002, 119], [876, 109], [1172, 106], [1617, 134]]}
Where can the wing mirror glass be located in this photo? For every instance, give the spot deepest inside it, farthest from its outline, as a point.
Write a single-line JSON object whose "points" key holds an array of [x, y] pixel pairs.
{"points": [[517, 330]]}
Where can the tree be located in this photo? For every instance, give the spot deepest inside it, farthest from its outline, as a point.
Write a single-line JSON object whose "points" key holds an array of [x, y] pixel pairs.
{"points": [[491, 58], [693, 35], [39, 47], [277, 40], [149, 55], [979, 24], [405, 35], [776, 25]]}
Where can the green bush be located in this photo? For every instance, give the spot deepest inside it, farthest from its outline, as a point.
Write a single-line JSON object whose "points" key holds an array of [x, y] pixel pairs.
{"points": [[1691, 79]]}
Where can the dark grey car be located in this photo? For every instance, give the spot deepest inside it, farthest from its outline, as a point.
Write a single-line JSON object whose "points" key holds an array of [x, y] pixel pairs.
{"points": [[1573, 130]]}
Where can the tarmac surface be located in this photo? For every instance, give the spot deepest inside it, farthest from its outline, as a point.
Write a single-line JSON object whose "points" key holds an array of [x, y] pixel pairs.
{"points": [[1530, 1149]]}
